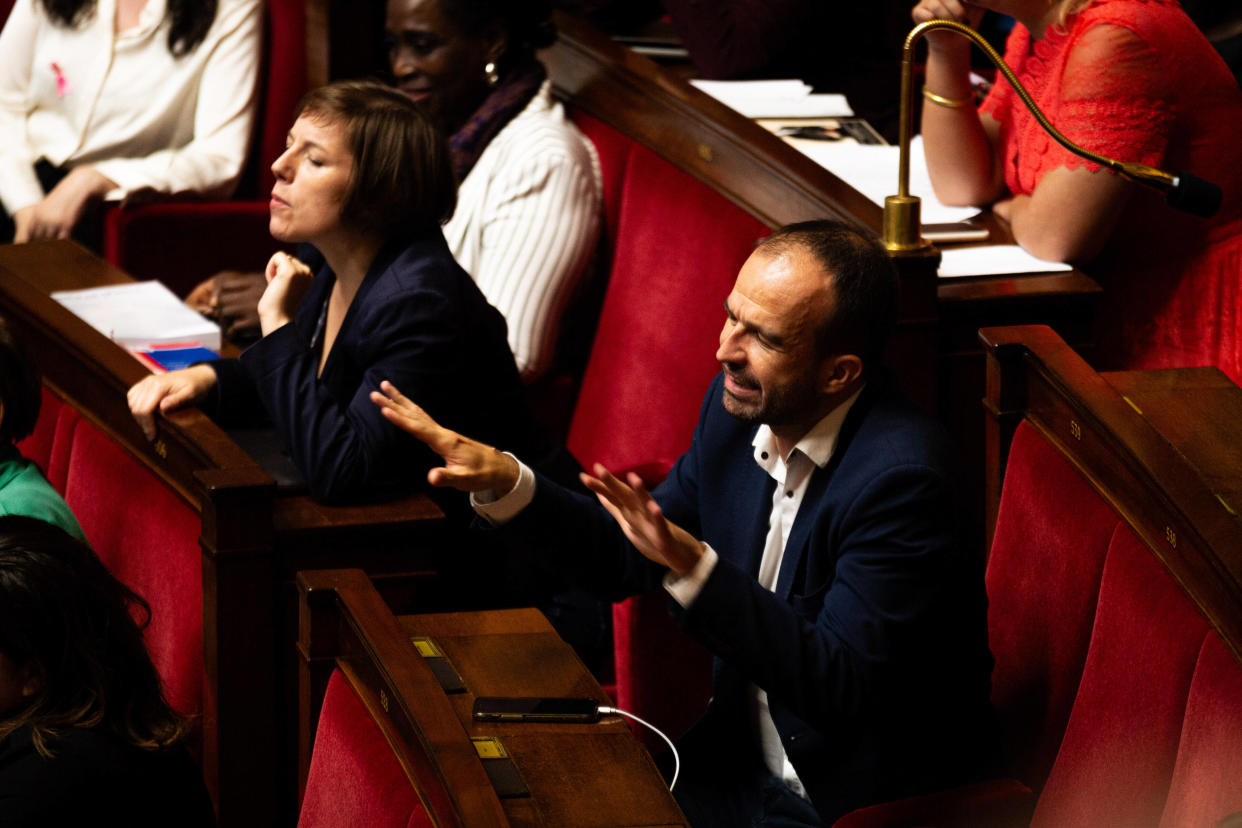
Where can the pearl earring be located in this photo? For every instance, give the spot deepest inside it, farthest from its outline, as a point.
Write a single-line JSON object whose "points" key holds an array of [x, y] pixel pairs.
{"points": [[489, 69]]}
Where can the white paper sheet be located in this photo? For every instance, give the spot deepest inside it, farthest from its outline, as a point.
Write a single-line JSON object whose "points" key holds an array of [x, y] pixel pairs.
{"points": [[872, 170], [991, 259], [775, 99], [139, 314]]}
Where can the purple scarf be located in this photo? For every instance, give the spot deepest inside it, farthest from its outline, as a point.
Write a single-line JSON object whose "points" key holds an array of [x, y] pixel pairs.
{"points": [[506, 100]]}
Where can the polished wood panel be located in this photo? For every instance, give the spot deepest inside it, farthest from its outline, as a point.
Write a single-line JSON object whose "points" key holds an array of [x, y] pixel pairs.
{"points": [[1163, 447], [578, 774]]}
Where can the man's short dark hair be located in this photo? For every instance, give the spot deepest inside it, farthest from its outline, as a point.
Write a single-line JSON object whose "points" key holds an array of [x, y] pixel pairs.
{"points": [[402, 180], [864, 284], [21, 388]]}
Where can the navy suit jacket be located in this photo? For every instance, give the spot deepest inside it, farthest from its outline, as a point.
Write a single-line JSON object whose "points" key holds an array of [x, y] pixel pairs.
{"points": [[418, 320], [873, 646]]}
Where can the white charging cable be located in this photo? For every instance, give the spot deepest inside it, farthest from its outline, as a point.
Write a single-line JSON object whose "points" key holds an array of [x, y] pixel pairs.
{"points": [[606, 711]]}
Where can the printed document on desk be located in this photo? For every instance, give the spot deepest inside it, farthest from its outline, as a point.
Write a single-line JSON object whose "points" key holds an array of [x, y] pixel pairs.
{"points": [[992, 259], [872, 170], [775, 99], [139, 314]]}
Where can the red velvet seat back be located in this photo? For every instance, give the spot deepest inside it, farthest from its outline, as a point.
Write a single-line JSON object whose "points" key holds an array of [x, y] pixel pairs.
{"points": [[1207, 779], [672, 247], [39, 444], [148, 538], [1117, 757], [677, 248], [1052, 533], [354, 778]]}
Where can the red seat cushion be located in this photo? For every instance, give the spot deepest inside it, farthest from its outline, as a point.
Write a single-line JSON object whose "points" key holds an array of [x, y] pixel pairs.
{"points": [[1207, 780], [37, 446], [1043, 577], [1116, 760], [148, 537], [354, 777], [678, 246]]}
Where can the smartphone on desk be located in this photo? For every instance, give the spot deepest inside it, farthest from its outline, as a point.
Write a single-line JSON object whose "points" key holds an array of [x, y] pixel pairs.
{"points": [[527, 709]]}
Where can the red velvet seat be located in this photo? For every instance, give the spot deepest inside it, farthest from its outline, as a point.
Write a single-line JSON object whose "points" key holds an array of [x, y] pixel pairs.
{"points": [[152, 547], [1117, 756], [354, 778], [182, 242], [1043, 577], [1206, 779], [43, 440], [651, 361], [1095, 646]]}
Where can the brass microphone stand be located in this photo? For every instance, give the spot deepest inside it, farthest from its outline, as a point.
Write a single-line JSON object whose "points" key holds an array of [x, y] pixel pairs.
{"points": [[901, 211]]}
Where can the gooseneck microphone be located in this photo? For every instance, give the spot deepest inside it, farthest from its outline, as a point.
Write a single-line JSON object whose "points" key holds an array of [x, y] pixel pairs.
{"points": [[1183, 191]]}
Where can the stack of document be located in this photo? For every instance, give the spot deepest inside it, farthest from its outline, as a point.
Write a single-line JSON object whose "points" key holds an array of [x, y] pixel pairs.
{"points": [[775, 99], [872, 170], [140, 314]]}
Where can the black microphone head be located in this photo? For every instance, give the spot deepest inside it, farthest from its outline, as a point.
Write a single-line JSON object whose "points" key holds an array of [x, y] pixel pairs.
{"points": [[1194, 195]]}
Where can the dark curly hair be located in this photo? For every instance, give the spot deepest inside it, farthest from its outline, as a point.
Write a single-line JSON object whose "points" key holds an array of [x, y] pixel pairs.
{"points": [[190, 19], [65, 617]]}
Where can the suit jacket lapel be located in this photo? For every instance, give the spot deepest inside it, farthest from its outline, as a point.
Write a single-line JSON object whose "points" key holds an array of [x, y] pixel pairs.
{"points": [[753, 501], [799, 536], [814, 503]]}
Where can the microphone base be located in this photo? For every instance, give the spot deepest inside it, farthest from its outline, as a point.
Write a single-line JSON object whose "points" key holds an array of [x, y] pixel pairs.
{"points": [[902, 224]]}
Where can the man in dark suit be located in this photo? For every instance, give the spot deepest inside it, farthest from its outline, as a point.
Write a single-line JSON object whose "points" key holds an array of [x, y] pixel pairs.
{"points": [[810, 538]]}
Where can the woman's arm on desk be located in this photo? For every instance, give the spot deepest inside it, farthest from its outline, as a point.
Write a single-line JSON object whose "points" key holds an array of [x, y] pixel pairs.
{"points": [[960, 143]]}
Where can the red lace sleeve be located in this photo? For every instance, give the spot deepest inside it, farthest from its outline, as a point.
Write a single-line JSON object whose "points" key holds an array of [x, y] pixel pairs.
{"points": [[1113, 99], [1001, 96]]}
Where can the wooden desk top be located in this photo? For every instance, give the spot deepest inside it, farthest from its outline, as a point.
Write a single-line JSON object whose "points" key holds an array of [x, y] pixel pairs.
{"points": [[1198, 411], [572, 770], [579, 775]]}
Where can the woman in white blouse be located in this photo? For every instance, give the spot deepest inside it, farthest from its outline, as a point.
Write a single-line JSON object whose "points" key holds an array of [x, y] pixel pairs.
{"points": [[103, 99]]}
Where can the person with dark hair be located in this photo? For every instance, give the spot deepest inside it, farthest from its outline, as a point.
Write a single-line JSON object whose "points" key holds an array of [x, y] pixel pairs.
{"points": [[529, 198], [388, 301], [86, 735], [23, 488], [811, 538], [109, 99]]}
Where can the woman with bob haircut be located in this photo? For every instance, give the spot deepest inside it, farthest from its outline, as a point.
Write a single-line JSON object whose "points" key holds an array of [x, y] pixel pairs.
{"points": [[366, 181], [23, 488], [86, 735]]}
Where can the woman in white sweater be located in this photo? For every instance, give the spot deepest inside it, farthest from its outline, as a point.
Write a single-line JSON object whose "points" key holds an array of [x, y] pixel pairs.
{"points": [[104, 99]]}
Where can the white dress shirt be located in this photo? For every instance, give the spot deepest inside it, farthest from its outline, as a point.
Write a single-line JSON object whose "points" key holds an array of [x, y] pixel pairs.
{"points": [[528, 215], [123, 103]]}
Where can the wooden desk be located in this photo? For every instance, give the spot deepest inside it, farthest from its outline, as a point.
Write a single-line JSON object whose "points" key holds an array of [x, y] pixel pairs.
{"points": [[253, 538], [578, 774]]}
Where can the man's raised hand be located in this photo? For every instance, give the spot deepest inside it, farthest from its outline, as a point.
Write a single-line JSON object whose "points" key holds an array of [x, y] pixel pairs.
{"points": [[469, 465], [643, 521]]}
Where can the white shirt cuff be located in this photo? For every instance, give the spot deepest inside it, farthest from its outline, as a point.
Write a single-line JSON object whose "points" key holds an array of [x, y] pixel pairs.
{"points": [[498, 509], [685, 588]]}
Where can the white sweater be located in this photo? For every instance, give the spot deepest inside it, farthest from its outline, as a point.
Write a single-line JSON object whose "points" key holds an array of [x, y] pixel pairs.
{"points": [[123, 103], [527, 218]]}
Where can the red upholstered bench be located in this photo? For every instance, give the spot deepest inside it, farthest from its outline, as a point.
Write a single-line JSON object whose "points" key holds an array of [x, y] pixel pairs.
{"points": [[355, 779], [1119, 701], [142, 531], [672, 247]]}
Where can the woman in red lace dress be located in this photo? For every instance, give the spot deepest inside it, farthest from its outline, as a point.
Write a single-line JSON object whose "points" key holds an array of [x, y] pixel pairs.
{"points": [[1132, 79]]}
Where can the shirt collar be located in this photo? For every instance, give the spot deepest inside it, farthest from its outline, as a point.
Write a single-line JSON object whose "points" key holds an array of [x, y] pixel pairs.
{"points": [[818, 444]]}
